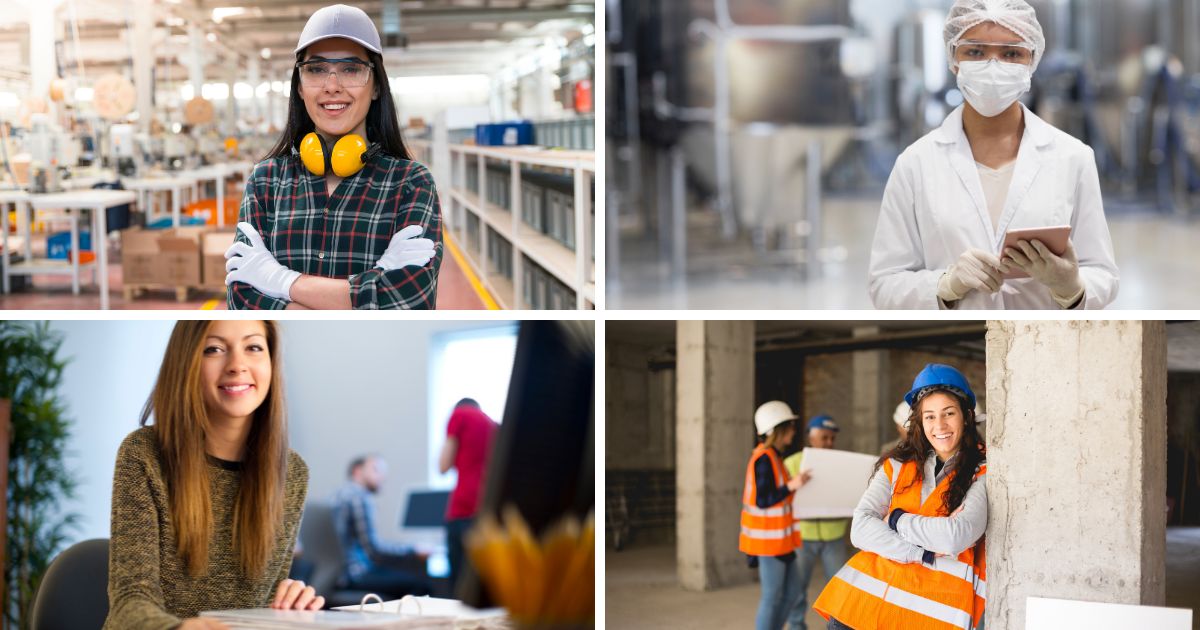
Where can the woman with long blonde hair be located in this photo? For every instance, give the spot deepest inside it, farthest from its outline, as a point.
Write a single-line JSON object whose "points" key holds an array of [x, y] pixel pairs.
{"points": [[207, 498]]}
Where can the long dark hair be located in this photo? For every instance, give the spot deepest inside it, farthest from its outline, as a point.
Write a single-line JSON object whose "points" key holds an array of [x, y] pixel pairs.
{"points": [[916, 448], [383, 123]]}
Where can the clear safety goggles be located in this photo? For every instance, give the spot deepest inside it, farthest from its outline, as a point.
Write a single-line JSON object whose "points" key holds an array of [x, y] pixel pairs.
{"points": [[350, 72], [968, 50]]}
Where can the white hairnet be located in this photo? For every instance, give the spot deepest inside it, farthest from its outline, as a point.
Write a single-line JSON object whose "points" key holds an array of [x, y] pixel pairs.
{"points": [[1014, 15]]}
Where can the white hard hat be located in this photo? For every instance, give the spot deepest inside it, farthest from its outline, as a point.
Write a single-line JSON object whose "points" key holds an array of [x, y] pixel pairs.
{"points": [[771, 414], [340, 20], [900, 416]]}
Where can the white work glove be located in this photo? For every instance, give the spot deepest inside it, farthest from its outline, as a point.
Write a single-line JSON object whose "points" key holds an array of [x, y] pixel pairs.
{"points": [[406, 250], [1060, 274], [253, 264], [975, 270]]}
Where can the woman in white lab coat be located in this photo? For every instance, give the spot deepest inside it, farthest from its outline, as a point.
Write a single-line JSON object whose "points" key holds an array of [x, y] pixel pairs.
{"points": [[993, 166]]}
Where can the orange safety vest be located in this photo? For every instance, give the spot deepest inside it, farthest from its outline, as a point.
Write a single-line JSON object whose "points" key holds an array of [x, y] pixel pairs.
{"points": [[873, 592], [767, 531]]}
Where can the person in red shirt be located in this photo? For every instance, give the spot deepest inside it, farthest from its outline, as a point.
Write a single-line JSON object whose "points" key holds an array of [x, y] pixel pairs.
{"points": [[469, 436]]}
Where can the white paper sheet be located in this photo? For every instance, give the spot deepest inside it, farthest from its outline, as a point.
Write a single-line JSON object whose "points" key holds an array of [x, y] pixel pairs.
{"points": [[839, 479], [1054, 614]]}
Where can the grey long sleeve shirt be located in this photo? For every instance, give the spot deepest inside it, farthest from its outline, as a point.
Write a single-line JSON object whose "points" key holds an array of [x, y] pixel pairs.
{"points": [[914, 534]]}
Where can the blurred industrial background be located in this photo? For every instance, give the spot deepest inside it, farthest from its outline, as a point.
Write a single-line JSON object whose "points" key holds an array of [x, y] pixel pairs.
{"points": [[749, 142]]}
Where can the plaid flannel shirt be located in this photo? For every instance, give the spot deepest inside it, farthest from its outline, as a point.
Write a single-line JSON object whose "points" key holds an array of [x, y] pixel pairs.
{"points": [[343, 236]]}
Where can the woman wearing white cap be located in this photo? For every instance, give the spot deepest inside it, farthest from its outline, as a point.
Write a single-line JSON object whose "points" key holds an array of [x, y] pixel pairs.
{"points": [[768, 534], [331, 218], [993, 166]]}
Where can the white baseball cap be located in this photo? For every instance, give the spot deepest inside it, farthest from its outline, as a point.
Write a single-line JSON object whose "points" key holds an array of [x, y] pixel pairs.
{"points": [[340, 20]]}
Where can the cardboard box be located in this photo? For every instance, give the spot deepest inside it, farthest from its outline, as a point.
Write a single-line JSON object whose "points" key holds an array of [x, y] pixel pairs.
{"points": [[162, 257], [212, 250]]}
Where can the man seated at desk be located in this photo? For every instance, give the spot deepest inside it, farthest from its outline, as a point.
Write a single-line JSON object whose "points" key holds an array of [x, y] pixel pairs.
{"points": [[371, 564]]}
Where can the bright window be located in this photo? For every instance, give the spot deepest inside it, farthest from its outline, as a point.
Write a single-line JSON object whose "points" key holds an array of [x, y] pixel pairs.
{"points": [[466, 364]]}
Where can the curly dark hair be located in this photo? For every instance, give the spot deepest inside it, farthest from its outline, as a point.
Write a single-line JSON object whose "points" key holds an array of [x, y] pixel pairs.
{"points": [[916, 448]]}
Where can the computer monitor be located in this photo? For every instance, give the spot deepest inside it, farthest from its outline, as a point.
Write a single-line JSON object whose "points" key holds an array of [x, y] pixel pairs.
{"points": [[543, 459], [426, 508]]}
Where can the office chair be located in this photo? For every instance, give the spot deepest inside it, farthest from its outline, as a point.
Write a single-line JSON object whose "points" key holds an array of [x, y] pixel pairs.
{"points": [[74, 592], [319, 540]]}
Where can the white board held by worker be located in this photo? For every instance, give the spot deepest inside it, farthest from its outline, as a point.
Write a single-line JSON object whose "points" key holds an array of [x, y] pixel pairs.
{"points": [[837, 483]]}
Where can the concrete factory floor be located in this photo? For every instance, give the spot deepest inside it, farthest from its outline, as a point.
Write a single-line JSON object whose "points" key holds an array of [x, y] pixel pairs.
{"points": [[641, 589], [1156, 255]]}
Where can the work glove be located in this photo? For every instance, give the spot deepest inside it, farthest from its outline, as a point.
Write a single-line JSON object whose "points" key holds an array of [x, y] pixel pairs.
{"points": [[254, 264], [1060, 274], [974, 270], [406, 250]]}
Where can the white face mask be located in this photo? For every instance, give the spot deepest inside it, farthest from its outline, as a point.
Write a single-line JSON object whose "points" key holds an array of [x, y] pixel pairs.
{"points": [[992, 86]]}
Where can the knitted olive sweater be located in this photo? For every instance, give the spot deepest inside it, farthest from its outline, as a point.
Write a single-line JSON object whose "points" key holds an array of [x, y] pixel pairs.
{"points": [[148, 586]]}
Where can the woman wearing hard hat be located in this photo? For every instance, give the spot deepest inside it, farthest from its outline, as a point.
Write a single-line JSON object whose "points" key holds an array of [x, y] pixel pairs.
{"points": [[332, 218], [768, 535], [920, 522], [993, 166]]}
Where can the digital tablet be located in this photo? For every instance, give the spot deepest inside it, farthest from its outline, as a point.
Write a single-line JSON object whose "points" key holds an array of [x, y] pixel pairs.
{"points": [[1053, 237]]}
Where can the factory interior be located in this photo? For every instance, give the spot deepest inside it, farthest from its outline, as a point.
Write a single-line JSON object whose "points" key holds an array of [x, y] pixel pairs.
{"points": [[1090, 429], [749, 142], [129, 127]]}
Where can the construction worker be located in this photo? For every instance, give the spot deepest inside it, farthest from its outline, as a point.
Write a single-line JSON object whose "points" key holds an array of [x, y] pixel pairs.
{"points": [[768, 535], [920, 523], [900, 417], [825, 538]]}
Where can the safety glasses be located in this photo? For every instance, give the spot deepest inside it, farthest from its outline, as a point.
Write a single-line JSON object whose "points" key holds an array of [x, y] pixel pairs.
{"points": [[968, 50], [351, 72]]}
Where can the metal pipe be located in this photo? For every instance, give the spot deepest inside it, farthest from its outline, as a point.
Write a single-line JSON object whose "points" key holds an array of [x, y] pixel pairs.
{"points": [[678, 214], [812, 195]]}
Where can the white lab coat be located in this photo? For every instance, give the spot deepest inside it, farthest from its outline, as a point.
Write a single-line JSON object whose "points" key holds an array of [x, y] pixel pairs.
{"points": [[934, 210]]}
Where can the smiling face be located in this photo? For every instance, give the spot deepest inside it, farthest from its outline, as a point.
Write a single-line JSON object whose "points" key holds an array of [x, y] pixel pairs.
{"points": [[334, 108], [942, 421], [235, 369]]}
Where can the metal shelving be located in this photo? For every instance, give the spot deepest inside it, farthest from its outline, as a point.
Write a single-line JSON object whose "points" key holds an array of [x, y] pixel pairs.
{"points": [[520, 235]]}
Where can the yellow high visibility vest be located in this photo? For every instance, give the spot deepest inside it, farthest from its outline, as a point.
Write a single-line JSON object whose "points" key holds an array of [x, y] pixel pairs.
{"points": [[767, 531], [873, 592]]}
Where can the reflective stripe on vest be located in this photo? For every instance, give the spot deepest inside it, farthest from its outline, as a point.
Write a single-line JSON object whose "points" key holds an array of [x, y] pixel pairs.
{"points": [[766, 531], [871, 591], [903, 599]]}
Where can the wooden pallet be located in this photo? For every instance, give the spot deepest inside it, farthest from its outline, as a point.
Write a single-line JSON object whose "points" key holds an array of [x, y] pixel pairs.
{"points": [[134, 291]]}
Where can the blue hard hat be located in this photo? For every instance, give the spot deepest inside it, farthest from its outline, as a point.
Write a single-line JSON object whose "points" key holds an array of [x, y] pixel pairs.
{"points": [[939, 375], [823, 421]]}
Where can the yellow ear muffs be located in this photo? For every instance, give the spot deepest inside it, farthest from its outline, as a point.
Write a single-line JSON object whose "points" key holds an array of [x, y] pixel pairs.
{"points": [[312, 153], [348, 156]]}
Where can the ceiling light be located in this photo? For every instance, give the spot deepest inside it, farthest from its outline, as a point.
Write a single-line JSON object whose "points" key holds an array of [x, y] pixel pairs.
{"points": [[212, 37], [266, 53]]}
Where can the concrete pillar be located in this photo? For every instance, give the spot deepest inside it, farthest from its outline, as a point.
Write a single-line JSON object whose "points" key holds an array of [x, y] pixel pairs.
{"points": [[196, 59], [254, 74], [714, 406], [1076, 463], [42, 65], [143, 65], [864, 431]]}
